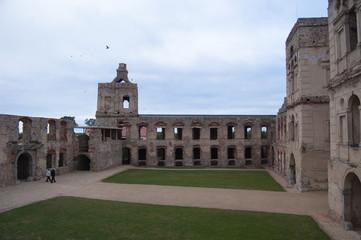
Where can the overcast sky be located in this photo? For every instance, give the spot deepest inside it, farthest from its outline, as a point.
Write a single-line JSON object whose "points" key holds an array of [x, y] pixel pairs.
{"points": [[187, 57]]}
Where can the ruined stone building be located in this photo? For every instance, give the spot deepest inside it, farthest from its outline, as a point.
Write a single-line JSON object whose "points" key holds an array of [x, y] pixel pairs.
{"points": [[123, 136], [302, 143], [126, 137], [344, 169], [30, 145], [314, 141]]}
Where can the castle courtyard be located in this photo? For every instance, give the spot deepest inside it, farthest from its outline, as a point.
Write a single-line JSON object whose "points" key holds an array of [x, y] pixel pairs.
{"points": [[87, 184]]}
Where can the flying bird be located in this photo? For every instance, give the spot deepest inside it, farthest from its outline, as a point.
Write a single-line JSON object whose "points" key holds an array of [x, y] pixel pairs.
{"points": [[107, 47]]}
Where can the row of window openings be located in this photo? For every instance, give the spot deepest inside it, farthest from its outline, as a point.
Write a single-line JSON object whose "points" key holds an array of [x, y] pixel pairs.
{"points": [[196, 133], [24, 129], [231, 153], [49, 160]]}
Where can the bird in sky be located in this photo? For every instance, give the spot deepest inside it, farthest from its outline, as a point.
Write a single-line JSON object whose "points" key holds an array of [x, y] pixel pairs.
{"points": [[107, 47]]}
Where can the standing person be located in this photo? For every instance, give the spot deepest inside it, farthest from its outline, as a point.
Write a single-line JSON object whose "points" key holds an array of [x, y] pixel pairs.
{"points": [[52, 176], [48, 175]]}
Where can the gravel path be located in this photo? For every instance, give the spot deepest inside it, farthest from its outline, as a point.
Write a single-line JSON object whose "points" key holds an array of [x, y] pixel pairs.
{"points": [[88, 185]]}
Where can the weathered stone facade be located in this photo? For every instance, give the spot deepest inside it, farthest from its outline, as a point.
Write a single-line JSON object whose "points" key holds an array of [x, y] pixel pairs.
{"points": [[344, 169], [302, 142], [30, 145], [174, 140]]}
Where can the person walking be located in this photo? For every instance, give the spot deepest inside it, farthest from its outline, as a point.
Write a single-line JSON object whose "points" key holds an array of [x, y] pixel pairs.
{"points": [[52, 176], [48, 175]]}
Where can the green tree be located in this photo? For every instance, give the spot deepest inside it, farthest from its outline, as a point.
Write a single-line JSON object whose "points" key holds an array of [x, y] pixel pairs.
{"points": [[89, 122]]}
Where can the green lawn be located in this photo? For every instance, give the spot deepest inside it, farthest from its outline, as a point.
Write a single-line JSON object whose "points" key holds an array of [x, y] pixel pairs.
{"points": [[252, 180], [77, 218]]}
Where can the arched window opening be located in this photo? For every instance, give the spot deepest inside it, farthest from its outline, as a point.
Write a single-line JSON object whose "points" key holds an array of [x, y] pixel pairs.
{"points": [[214, 133], [231, 132], [196, 133], [160, 133], [49, 160], [292, 128], [247, 132], [51, 130], [214, 153], [231, 152], [178, 153], [143, 133], [63, 131], [61, 159], [161, 153], [178, 133], [264, 132], [24, 128], [292, 170], [196, 153], [126, 102], [142, 154], [248, 152]]}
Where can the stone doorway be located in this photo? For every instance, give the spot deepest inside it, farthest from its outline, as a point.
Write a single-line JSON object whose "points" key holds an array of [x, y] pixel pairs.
{"points": [[126, 156], [352, 202], [24, 166], [82, 163]]}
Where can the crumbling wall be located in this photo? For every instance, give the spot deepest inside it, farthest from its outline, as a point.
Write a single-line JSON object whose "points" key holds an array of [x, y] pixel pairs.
{"points": [[30, 142]]}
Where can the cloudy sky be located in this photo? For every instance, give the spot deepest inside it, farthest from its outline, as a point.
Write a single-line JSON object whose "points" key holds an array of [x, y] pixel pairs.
{"points": [[187, 57]]}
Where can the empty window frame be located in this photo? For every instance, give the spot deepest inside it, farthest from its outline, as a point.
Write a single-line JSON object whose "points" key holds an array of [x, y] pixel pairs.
{"points": [[214, 152], [196, 153], [125, 102], [24, 127], [178, 153], [264, 132], [178, 133], [247, 132], [61, 159], [231, 152], [122, 132], [142, 154], [196, 133], [143, 133], [214, 133], [51, 130], [63, 131], [247, 152], [49, 160], [264, 151], [353, 30], [160, 133], [161, 153], [231, 132]]}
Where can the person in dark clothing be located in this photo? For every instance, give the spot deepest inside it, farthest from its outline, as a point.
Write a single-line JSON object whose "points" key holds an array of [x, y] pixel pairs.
{"points": [[53, 176]]}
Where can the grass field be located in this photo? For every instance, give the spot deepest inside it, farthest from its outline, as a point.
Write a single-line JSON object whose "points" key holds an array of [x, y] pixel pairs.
{"points": [[77, 218], [251, 180]]}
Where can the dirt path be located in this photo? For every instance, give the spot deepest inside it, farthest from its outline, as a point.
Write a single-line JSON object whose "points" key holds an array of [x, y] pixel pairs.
{"points": [[88, 185]]}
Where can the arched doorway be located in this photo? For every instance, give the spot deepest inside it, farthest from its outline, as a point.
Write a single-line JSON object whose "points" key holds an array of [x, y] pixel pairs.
{"points": [[292, 170], [82, 163], [24, 166], [352, 201], [126, 156]]}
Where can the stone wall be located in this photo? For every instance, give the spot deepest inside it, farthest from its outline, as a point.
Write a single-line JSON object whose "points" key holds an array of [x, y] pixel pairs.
{"points": [[27, 142]]}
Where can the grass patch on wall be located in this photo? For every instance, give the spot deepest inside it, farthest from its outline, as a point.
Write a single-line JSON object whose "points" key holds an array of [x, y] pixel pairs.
{"points": [[78, 218], [251, 180]]}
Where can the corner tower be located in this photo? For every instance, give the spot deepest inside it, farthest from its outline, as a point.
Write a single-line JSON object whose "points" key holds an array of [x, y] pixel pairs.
{"points": [[117, 99]]}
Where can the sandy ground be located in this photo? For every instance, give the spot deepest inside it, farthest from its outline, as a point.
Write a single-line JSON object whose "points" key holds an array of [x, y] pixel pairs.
{"points": [[88, 185]]}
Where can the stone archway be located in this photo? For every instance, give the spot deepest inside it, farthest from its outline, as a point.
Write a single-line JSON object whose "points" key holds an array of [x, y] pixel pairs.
{"points": [[24, 166], [352, 201], [82, 163], [126, 156], [292, 169]]}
